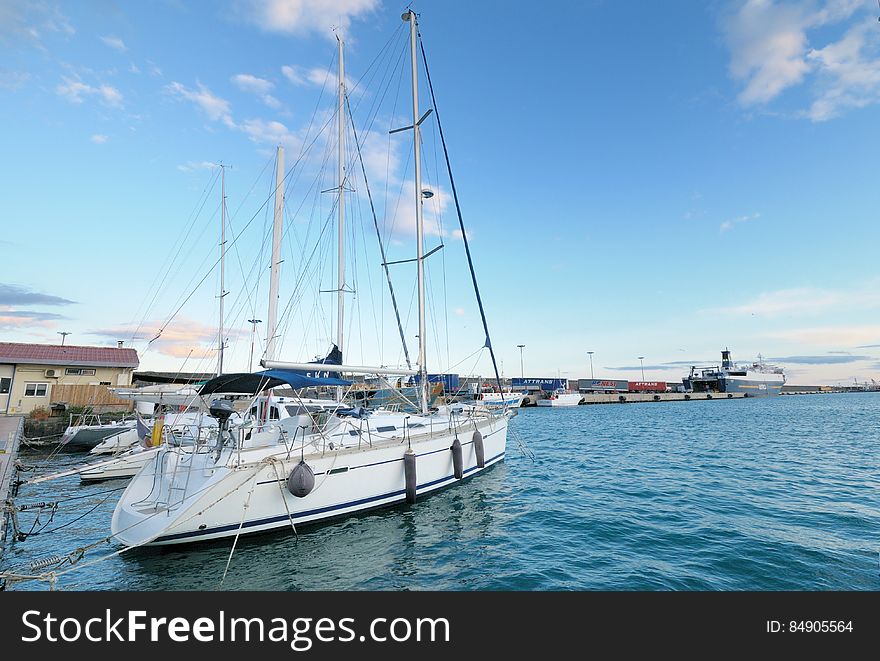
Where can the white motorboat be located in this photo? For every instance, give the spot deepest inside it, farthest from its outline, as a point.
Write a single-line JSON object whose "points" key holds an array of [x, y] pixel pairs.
{"points": [[561, 397], [85, 431], [508, 399]]}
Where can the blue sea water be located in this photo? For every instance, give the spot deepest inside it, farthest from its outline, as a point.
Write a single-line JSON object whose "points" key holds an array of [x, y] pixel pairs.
{"points": [[755, 494]]}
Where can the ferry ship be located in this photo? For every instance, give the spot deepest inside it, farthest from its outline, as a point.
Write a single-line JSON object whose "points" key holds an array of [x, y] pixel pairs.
{"points": [[755, 380]]}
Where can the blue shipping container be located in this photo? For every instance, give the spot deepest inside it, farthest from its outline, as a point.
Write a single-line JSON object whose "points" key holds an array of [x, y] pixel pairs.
{"points": [[544, 384]]}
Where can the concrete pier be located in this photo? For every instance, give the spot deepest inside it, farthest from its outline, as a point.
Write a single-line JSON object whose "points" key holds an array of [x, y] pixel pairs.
{"points": [[11, 431], [633, 397]]}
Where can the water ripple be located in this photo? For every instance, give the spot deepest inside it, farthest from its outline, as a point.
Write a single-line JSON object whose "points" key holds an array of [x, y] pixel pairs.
{"points": [[779, 494]]}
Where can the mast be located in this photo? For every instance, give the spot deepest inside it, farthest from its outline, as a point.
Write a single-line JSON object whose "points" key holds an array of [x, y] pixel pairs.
{"points": [[420, 248], [340, 279], [275, 273], [222, 265]]}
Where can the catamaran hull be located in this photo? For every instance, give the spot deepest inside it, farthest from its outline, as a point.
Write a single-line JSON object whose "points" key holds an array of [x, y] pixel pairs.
{"points": [[254, 498]]}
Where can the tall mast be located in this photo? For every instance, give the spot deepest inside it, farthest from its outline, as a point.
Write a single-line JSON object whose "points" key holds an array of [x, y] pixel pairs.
{"points": [[423, 372], [340, 279], [276, 255], [222, 266]]}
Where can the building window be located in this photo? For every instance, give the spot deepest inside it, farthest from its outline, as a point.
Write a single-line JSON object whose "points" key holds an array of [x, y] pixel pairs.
{"points": [[4, 385], [79, 371], [36, 389]]}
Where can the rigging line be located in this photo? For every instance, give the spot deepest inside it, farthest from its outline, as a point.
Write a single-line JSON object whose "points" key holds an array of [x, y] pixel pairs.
{"points": [[389, 229], [194, 214], [379, 238], [201, 265], [464, 239], [71, 522], [232, 243], [354, 87], [230, 217], [192, 244], [438, 210], [311, 256], [358, 82]]}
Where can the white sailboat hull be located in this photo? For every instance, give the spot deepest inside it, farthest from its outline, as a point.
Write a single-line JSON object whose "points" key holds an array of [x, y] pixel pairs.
{"points": [[192, 498], [123, 467]]}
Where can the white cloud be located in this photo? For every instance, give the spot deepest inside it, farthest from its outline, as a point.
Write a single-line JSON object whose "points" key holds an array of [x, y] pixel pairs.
{"points": [[73, 90], [133, 68], [184, 338], [768, 44], [805, 301], [213, 106], [402, 221], [304, 16], [850, 77], [381, 154], [293, 74], [98, 138], [830, 335], [115, 43], [314, 76], [268, 132], [192, 166], [110, 95], [76, 91], [729, 224], [459, 312], [250, 83], [257, 86], [30, 20], [771, 52], [12, 80]]}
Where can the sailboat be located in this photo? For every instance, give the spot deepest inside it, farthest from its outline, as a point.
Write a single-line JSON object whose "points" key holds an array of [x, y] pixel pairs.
{"points": [[306, 463], [179, 409]]}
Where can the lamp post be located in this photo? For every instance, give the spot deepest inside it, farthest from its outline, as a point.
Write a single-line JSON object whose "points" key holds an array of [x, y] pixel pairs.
{"points": [[64, 335], [253, 323], [591, 364], [641, 360], [522, 372]]}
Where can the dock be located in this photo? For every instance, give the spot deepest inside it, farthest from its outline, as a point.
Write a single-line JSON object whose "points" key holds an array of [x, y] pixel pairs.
{"points": [[633, 397], [11, 432]]}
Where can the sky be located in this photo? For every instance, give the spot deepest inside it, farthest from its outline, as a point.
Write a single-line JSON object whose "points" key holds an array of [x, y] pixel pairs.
{"points": [[647, 179]]}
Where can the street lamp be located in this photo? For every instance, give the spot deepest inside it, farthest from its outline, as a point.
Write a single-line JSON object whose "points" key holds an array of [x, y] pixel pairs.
{"points": [[591, 364], [64, 335], [253, 323], [522, 372], [641, 360]]}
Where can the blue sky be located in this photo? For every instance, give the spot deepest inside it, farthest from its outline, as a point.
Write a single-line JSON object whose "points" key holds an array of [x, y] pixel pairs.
{"points": [[638, 179]]}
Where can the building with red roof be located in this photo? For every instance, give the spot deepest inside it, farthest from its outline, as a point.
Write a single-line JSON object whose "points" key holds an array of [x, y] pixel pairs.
{"points": [[29, 373]]}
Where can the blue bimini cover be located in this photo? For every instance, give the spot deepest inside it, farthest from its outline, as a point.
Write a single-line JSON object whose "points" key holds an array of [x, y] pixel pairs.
{"points": [[253, 382]]}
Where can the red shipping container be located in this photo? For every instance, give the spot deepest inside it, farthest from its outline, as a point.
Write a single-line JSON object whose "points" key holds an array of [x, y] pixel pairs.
{"points": [[647, 386]]}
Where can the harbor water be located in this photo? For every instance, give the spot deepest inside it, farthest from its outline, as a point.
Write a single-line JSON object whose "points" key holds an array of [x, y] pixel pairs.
{"points": [[758, 494]]}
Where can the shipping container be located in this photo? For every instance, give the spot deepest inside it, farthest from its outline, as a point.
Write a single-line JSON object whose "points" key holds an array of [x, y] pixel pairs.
{"points": [[542, 384], [647, 386], [603, 385], [450, 382]]}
